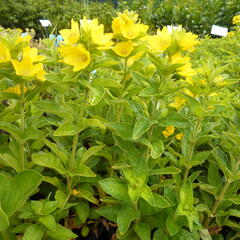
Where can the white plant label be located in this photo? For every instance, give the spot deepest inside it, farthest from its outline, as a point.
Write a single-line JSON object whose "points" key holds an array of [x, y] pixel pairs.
{"points": [[173, 28], [45, 22], [219, 31], [88, 21]]}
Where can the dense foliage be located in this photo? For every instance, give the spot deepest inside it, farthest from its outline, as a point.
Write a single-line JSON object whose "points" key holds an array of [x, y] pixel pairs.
{"points": [[127, 129], [196, 16]]}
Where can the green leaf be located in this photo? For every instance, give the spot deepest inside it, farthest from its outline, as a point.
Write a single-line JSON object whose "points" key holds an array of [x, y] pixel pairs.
{"points": [[160, 234], [44, 207], [96, 94], [61, 198], [55, 108], [185, 207], [55, 77], [157, 148], [86, 194], [106, 82], [4, 223], [67, 129], [173, 226], [175, 119], [116, 188], [214, 177], [9, 160], [82, 210], [199, 158], [147, 195], [141, 126], [162, 201], [143, 231], [60, 152], [83, 171], [164, 171], [110, 212], [11, 198], [129, 149], [125, 216], [13, 130], [204, 234], [124, 130], [61, 233], [50, 161], [32, 133], [90, 152], [33, 232], [48, 221], [91, 122], [149, 92]]}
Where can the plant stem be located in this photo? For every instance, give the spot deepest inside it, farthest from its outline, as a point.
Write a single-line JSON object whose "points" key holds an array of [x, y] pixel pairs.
{"points": [[193, 143], [22, 126], [75, 142], [221, 196], [5, 235], [119, 108]]}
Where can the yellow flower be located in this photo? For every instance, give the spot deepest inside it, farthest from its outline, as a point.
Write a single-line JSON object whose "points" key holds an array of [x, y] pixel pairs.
{"points": [[231, 34], [188, 41], [168, 131], [116, 26], [5, 55], [16, 89], [179, 136], [178, 102], [186, 70], [32, 53], [161, 41], [76, 56], [130, 30], [26, 67], [87, 25], [123, 49], [75, 192], [128, 25], [134, 58], [236, 19], [71, 36], [23, 39], [101, 39]]}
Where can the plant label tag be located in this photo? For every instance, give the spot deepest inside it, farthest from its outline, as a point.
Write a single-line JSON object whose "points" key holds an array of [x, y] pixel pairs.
{"points": [[173, 28], [45, 22], [88, 21], [219, 31]]}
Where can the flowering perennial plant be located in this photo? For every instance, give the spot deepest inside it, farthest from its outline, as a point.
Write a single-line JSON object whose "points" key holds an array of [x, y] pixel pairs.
{"points": [[121, 126]]}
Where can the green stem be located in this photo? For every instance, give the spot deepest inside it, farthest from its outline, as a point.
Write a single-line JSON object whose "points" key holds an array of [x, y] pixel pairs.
{"points": [[75, 142], [22, 126], [5, 235], [119, 108], [221, 196], [192, 147]]}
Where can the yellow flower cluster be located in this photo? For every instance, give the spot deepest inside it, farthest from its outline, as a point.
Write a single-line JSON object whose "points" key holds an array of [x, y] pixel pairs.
{"points": [[186, 69], [25, 60], [231, 34], [170, 131], [29, 65], [175, 41], [236, 20], [128, 26], [80, 40], [131, 42]]}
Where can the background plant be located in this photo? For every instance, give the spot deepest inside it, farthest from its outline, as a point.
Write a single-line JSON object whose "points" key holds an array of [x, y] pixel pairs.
{"points": [[125, 128]]}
